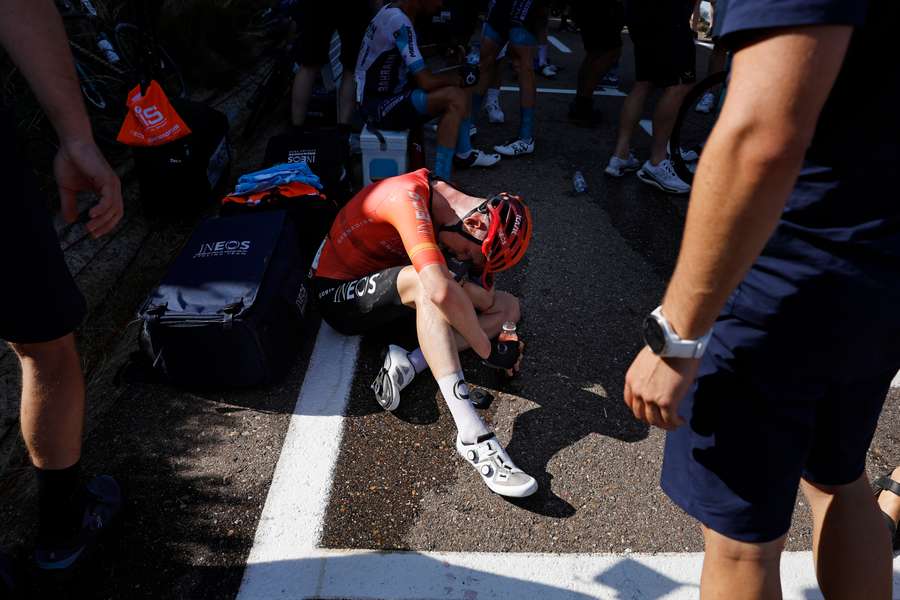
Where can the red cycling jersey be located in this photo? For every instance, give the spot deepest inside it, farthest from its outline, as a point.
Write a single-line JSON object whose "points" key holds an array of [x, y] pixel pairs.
{"points": [[387, 224]]}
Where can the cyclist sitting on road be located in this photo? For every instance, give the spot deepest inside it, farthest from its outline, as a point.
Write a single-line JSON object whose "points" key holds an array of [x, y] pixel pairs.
{"points": [[383, 260], [390, 99]]}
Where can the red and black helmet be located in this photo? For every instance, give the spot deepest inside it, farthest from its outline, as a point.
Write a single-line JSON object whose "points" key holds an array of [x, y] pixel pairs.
{"points": [[509, 231]]}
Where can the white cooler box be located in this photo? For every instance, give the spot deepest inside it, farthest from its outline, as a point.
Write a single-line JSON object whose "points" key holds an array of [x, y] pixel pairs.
{"points": [[384, 153]]}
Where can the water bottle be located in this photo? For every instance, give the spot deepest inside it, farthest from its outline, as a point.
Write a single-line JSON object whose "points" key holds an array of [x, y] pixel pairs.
{"points": [[508, 332], [578, 183], [107, 48]]}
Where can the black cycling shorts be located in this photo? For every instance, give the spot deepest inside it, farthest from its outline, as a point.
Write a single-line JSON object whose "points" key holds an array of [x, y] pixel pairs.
{"points": [[396, 113], [39, 301], [601, 23], [506, 15], [318, 20], [359, 306]]}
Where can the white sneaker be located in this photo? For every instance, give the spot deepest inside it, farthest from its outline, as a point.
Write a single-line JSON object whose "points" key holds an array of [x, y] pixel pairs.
{"points": [[686, 155], [496, 468], [706, 103], [495, 113], [397, 373], [663, 177], [516, 147], [617, 167], [549, 71], [475, 158]]}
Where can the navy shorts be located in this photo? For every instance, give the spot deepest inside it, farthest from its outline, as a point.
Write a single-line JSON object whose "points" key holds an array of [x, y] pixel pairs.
{"points": [[359, 306], [406, 110], [317, 21], [783, 392], [39, 301]]}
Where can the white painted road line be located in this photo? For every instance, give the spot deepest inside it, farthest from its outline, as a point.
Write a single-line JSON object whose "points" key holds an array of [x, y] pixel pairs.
{"points": [[291, 522], [647, 126], [285, 561], [565, 92], [896, 382], [559, 45]]}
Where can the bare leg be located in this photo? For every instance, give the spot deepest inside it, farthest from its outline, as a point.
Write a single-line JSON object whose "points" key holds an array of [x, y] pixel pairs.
{"points": [[452, 104], [890, 503], [664, 120], [593, 67], [524, 55], [52, 411], [347, 97], [735, 570], [301, 92], [631, 114], [851, 545]]}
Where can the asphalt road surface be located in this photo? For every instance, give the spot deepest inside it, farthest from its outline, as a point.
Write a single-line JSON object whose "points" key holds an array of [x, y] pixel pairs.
{"points": [[197, 468]]}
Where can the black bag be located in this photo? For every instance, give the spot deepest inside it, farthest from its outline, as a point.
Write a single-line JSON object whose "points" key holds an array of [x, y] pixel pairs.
{"points": [[326, 151], [181, 178], [229, 312]]}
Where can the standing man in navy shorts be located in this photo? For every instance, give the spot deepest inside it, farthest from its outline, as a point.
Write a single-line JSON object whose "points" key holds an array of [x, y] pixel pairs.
{"points": [[40, 305], [787, 286]]}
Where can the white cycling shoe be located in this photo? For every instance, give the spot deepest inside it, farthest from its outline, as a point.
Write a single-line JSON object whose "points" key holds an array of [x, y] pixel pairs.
{"points": [[397, 373], [496, 468]]}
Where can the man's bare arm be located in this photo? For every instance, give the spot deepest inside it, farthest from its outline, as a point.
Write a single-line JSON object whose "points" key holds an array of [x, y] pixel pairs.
{"points": [[456, 307], [749, 166], [32, 33]]}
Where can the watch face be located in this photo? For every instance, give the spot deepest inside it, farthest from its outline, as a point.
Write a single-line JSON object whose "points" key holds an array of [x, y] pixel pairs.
{"points": [[654, 336]]}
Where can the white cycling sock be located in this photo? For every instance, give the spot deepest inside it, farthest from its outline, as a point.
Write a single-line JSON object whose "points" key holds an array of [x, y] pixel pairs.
{"points": [[492, 96], [418, 360], [456, 395]]}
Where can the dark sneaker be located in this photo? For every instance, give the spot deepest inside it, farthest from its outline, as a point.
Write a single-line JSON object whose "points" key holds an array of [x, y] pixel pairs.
{"points": [[589, 117], [103, 504]]}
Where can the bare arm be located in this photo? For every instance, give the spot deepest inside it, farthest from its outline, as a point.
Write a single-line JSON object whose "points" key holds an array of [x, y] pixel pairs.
{"points": [[749, 166], [746, 173], [456, 306], [32, 33]]}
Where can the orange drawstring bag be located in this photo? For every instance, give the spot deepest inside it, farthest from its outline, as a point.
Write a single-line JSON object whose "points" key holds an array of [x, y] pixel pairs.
{"points": [[151, 119]]}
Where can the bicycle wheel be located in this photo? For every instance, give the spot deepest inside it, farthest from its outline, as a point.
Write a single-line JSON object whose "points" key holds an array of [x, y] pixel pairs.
{"points": [[695, 121], [131, 44]]}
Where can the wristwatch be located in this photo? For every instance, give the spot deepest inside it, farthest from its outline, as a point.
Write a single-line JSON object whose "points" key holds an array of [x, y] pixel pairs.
{"points": [[663, 341]]}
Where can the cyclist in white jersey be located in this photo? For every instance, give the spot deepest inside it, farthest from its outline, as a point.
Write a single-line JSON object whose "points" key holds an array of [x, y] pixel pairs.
{"points": [[396, 90]]}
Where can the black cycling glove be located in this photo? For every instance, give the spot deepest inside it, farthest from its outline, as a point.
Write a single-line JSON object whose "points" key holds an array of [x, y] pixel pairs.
{"points": [[504, 355]]}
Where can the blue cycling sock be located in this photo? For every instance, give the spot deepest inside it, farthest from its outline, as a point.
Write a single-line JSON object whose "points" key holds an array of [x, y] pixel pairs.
{"points": [[463, 140], [443, 162], [526, 125], [476, 106]]}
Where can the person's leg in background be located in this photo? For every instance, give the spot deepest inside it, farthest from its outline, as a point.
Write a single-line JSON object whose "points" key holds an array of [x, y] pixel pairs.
{"points": [[491, 45], [522, 45], [316, 25], [351, 27], [601, 26], [623, 160]]}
